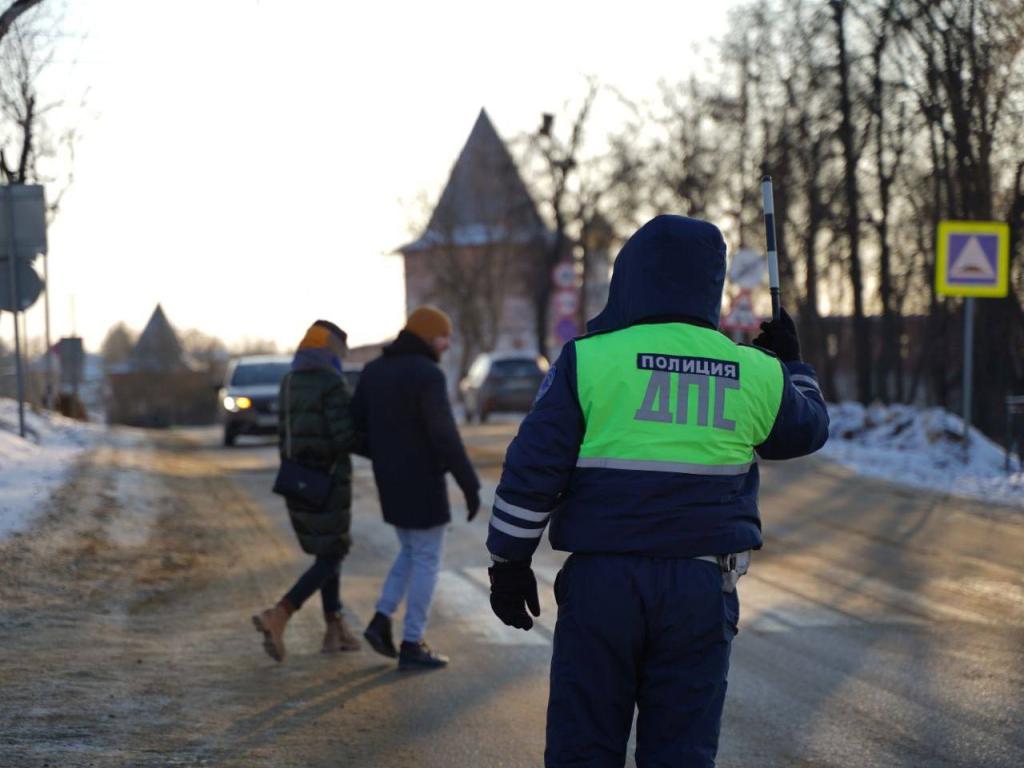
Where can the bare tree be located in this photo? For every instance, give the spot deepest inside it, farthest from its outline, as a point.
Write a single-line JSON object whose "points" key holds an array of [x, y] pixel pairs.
{"points": [[14, 10], [685, 171], [851, 159], [253, 346], [117, 345], [970, 86], [29, 138], [206, 353], [559, 162], [890, 145], [585, 194]]}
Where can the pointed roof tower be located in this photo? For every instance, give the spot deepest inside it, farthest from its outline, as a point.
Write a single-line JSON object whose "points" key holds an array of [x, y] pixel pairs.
{"points": [[158, 348], [485, 201]]}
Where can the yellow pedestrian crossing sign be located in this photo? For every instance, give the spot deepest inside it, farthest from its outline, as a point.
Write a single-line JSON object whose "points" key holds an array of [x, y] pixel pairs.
{"points": [[973, 258]]}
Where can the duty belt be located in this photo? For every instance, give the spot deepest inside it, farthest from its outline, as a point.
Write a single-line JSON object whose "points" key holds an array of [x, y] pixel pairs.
{"points": [[732, 566]]}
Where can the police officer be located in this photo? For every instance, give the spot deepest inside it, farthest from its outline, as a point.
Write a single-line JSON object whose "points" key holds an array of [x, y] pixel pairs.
{"points": [[639, 451]]}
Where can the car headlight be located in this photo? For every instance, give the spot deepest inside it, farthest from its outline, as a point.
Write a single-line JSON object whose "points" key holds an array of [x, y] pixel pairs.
{"points": [[236, 404]]}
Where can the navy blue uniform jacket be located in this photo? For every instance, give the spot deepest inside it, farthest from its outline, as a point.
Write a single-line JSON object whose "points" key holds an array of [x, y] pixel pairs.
{"points": [[671, 270]]}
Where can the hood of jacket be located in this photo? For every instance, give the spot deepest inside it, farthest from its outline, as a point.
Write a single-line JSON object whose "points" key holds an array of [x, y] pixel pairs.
{"points": [[310, 359], [672, 267]]}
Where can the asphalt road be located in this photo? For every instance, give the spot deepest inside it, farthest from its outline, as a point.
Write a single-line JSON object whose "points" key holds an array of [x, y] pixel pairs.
{"points": [[880, 627]]}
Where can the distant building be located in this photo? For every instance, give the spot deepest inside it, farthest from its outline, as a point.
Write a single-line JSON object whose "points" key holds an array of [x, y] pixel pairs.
{"points": [[158, 349], [476, 257], [156, 386]]}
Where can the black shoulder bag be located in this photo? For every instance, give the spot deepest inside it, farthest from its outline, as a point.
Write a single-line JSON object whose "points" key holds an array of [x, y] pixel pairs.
{"points": [[295, 481]]}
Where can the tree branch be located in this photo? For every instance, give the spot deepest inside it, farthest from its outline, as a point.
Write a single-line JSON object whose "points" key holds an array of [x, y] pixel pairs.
{"points": [[14, 10]]}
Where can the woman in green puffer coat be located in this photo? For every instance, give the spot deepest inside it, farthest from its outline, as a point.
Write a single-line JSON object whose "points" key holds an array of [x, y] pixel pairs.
{"points": [[316, 428]]}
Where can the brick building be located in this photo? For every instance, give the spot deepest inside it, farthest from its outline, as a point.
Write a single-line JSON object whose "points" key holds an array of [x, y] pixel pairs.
{"points": [[476, 259]]}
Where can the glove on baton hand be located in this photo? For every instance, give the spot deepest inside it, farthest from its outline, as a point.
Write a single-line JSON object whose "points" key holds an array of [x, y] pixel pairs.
{"points": [[513, 590], [472, 503], [780, 336]]}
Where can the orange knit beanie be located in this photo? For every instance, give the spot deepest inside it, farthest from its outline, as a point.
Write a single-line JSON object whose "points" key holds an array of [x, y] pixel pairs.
{"points": [[429, 323]]}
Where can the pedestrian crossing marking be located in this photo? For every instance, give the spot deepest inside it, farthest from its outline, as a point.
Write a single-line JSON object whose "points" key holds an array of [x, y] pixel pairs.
{"points": [[462, 601], [810, 575], [972, 258], [774, 598], [765, 607], [548, 608]]}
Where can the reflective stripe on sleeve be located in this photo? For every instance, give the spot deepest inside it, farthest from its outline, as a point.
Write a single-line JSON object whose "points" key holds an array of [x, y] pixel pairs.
{"points": [[514, 530], [520, 512], [802, 380], [681, 468]]}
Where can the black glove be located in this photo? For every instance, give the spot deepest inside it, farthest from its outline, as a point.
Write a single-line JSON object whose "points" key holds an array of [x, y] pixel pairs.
{"points": [[779, 336], [472, 503], [513, 590]]}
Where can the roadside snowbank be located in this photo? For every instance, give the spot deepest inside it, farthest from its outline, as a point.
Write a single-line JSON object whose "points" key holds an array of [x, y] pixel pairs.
{"points": [[32, 468], [922, 448]]}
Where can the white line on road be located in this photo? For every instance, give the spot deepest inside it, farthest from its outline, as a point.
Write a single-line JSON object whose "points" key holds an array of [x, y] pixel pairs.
{"points": [[463, 601], [832, 581], [773, 597], [548, 609], [766, 608]]}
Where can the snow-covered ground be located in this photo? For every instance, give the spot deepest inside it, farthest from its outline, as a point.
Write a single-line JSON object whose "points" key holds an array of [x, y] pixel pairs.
{"points": [[32, 468], [922, 448]]}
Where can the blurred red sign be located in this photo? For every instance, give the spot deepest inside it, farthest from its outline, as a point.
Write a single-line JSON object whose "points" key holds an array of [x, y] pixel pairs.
{"points": [[741, 316]]}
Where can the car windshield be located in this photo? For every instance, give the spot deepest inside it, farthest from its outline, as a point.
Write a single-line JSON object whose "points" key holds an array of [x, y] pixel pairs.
{"points": [[508, 369], [254, 374]]}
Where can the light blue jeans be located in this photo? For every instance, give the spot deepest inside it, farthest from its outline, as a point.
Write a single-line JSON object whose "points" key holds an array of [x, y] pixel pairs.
{"points": [[413, 576]]}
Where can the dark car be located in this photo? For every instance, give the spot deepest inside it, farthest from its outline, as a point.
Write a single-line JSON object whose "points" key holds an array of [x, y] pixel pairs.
{"points": [[501, 382], [249, 396]]}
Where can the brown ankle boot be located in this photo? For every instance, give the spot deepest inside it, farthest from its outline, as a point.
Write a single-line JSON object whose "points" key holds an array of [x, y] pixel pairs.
{"points": [[338, 636], [271, 623]]}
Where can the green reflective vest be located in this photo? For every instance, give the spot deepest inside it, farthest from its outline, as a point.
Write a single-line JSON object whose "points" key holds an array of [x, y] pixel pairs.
{"points": [[674, 397]]}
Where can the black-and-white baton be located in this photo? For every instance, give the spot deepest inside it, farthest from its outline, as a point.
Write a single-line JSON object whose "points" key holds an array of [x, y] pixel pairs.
{"points": [[768, 198]]}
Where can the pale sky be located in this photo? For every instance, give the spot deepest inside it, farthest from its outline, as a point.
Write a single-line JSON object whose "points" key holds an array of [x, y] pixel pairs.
{"points": [[251, 164]]}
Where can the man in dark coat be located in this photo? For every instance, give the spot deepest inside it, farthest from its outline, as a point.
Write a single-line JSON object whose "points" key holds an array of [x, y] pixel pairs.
{"points": [[401, 405], [315, 430]]}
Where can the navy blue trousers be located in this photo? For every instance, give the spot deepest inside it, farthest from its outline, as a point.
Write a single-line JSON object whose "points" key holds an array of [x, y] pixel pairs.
{"points": [[325, 575], [646, 633]]}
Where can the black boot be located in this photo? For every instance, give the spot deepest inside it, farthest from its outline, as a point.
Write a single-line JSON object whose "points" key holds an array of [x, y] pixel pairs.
{"points": [[419, 656], [378, 635]]}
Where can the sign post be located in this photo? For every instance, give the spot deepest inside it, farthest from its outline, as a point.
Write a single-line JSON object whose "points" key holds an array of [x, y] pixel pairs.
{"points": [[973, 261], [566, 300], [22, 237]]}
